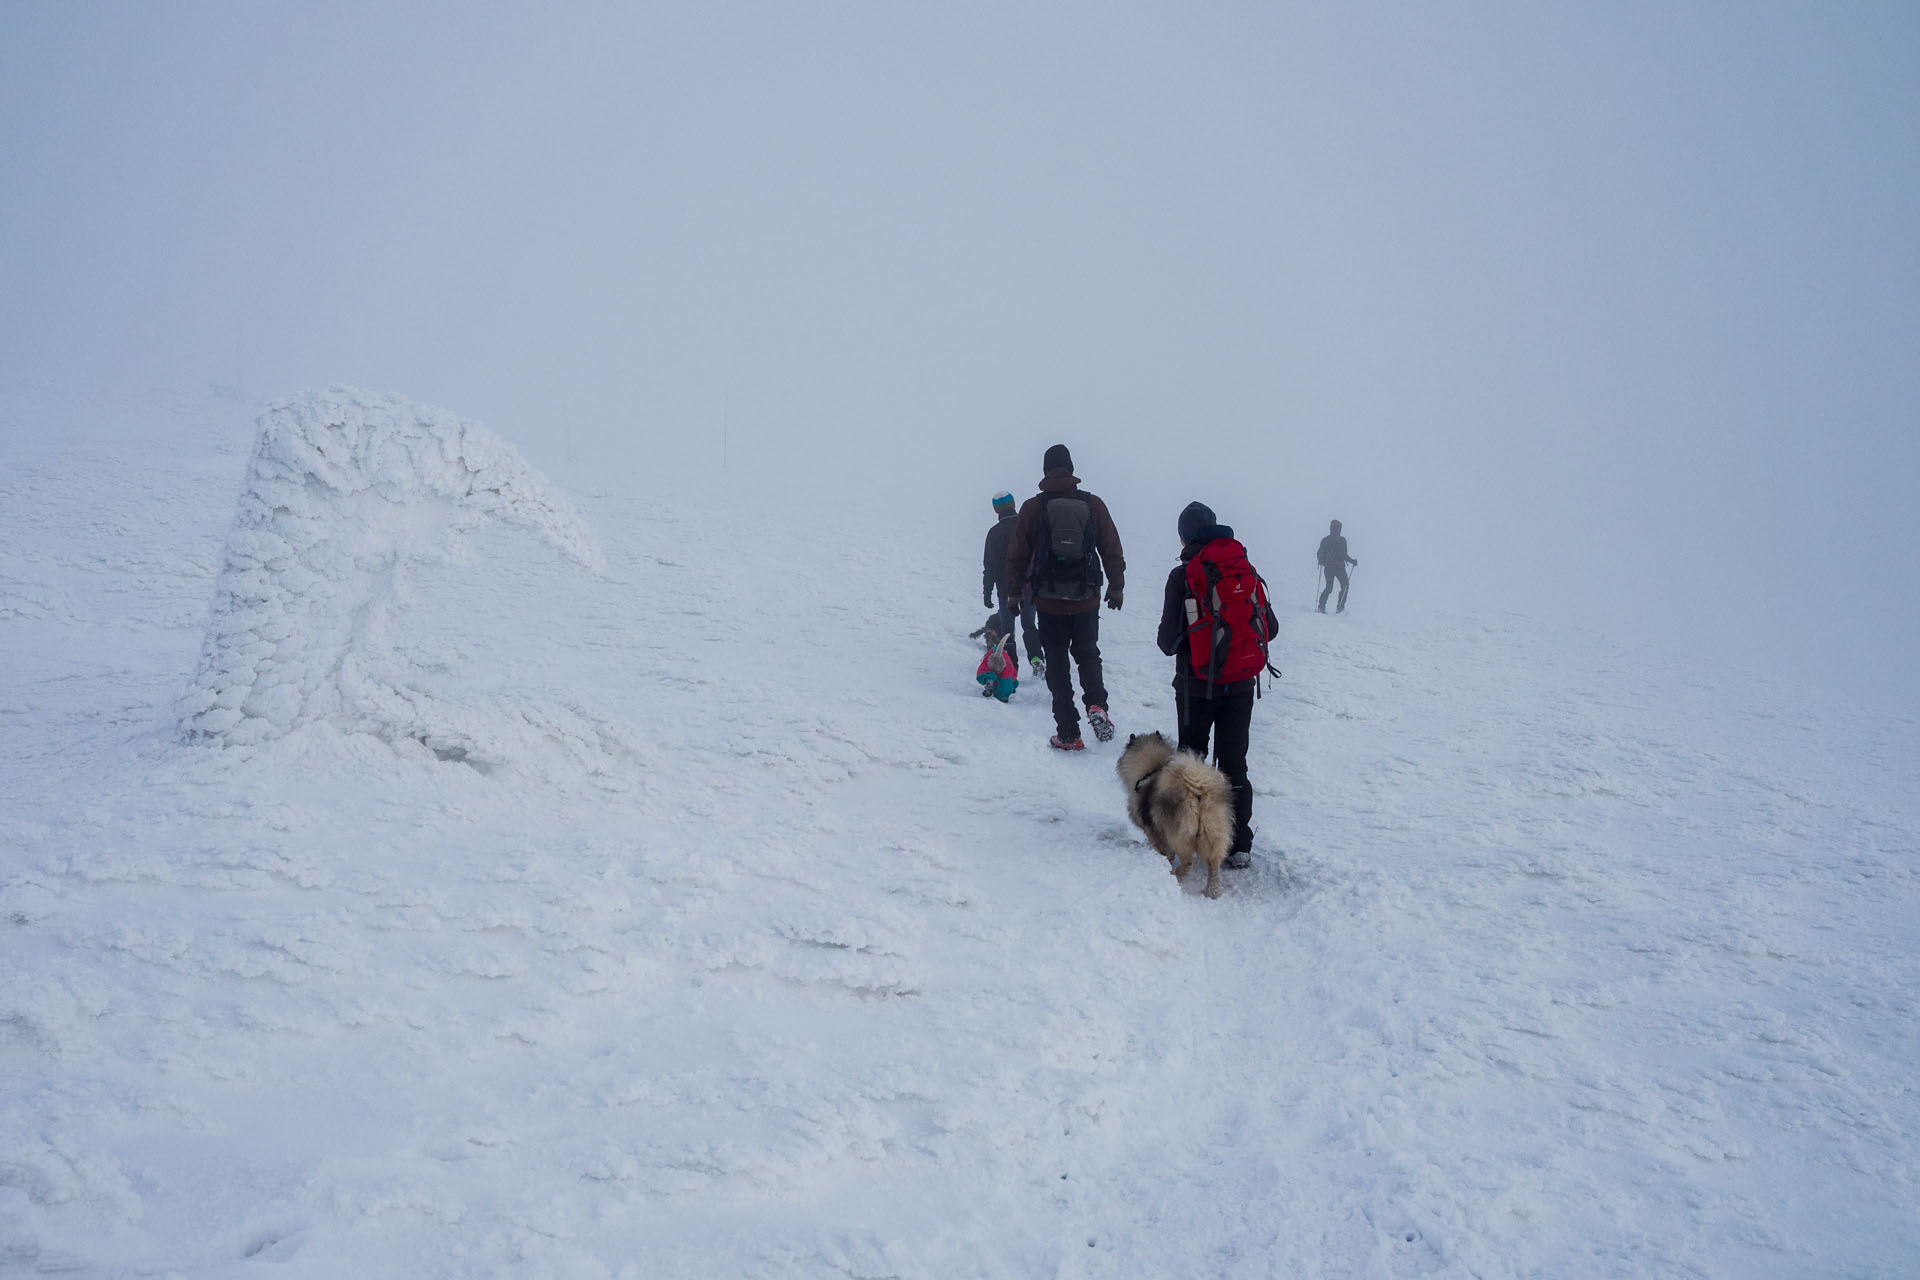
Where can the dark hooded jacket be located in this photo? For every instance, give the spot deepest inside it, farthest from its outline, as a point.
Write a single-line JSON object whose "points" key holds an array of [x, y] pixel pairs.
{"points": [[1172, 636], [1026, 531], [993, 560]]}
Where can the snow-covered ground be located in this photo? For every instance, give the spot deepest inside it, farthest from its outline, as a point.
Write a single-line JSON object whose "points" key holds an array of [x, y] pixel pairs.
{"points": [[738, 936]]}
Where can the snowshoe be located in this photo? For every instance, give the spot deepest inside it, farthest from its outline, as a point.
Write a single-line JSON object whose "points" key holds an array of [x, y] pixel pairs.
{"points": [[1102, 723], [1071, 744]]}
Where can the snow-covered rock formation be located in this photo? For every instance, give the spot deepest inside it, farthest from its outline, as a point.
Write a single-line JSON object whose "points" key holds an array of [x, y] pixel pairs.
{"points": [[345, 491]]}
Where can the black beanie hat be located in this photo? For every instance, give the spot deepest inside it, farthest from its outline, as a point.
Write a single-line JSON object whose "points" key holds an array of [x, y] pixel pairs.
{"points": [[1057, 457], [1196, 517]]}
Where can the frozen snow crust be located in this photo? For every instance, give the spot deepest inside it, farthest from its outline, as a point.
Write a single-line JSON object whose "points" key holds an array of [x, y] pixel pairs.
{"points": [[1559, 959], [346, 493]]}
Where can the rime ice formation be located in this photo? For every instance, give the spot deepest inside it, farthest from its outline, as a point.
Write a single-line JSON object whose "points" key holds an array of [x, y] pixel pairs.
{"points": [[344, 491]]}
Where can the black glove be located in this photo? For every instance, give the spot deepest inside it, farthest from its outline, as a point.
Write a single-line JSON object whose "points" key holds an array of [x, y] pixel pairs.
{"points": [[986, 598], [1113, 599]]}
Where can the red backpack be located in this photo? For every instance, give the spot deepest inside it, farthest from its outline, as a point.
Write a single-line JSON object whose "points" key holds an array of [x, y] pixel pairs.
{"points": [[1228, 616]]}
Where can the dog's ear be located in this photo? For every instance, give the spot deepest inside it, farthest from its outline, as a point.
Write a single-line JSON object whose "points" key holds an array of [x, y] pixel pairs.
{"points": [[1132, 738]]}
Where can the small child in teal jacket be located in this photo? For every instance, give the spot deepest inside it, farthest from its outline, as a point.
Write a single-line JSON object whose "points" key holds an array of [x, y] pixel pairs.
{"points": [[999, 675]]}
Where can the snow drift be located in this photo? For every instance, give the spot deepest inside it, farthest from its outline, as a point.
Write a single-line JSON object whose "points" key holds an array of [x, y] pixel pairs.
{"points": [[346, 493]]}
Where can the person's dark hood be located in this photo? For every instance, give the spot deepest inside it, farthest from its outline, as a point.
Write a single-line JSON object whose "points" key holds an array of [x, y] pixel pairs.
{"points": [[1059, 480], [1212, 533]]}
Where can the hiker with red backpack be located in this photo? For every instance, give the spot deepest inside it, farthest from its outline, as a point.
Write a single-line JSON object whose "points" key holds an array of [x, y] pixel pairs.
{"points": [[1217, 624], [1062, 541]]}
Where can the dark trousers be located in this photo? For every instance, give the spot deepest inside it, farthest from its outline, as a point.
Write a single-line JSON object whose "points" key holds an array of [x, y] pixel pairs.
{"points": [[1028, 630], [1077, 634], [1334, 572], [1228, 718]]}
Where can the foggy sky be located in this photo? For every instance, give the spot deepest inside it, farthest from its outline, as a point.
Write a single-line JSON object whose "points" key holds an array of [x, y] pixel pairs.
{"points": [[1608, 313]]}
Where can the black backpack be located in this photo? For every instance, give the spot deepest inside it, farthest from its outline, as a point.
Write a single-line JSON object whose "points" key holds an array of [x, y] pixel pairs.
{"points": [[1064, 567]]}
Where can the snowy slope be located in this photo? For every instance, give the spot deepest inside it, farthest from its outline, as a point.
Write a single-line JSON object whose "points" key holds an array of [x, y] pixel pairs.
{"points": [[762, 946]]}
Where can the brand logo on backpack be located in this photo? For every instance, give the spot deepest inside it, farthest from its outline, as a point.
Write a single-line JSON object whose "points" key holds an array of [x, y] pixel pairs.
{"points": [[1064, 567], [1228, 617]]}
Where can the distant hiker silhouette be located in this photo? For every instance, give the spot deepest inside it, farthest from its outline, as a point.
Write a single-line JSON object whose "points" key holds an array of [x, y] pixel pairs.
{"points": [[1334, 560]]}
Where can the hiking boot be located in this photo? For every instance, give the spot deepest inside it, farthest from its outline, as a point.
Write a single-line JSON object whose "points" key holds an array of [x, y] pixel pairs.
{"points": [[1070, 744], [1319, 608], [1238, 859], [1102, 723]]}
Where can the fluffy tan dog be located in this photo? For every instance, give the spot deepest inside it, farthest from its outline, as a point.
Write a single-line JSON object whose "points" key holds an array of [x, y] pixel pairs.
{"points": [[1184, 804]]}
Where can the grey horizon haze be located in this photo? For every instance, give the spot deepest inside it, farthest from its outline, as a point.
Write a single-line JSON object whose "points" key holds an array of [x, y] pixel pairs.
{"points": [[1606, 313]]}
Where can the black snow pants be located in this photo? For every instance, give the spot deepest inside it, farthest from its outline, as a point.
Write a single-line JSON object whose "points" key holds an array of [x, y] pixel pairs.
{"points": [[1028, 630], [1333, 573], [1077, 634], [1228, 717]]}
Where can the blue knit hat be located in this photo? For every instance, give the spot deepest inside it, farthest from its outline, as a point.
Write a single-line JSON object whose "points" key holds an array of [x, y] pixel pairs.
{"points": [[1197, 517], [1003, 501]]}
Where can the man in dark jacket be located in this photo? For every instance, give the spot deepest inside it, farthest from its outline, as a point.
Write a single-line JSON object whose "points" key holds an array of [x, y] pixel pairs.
{"points": [[1222, 710], [1062, 540], [1334, 560], [994, 582]]}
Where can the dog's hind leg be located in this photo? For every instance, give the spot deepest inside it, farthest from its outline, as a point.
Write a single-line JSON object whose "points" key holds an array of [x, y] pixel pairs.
{"points": [[1213, 839], [1159, 846]]}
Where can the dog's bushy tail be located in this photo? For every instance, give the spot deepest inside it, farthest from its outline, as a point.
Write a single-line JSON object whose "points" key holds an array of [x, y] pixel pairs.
{"points": [[1212, 821], [1209, 822]]}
